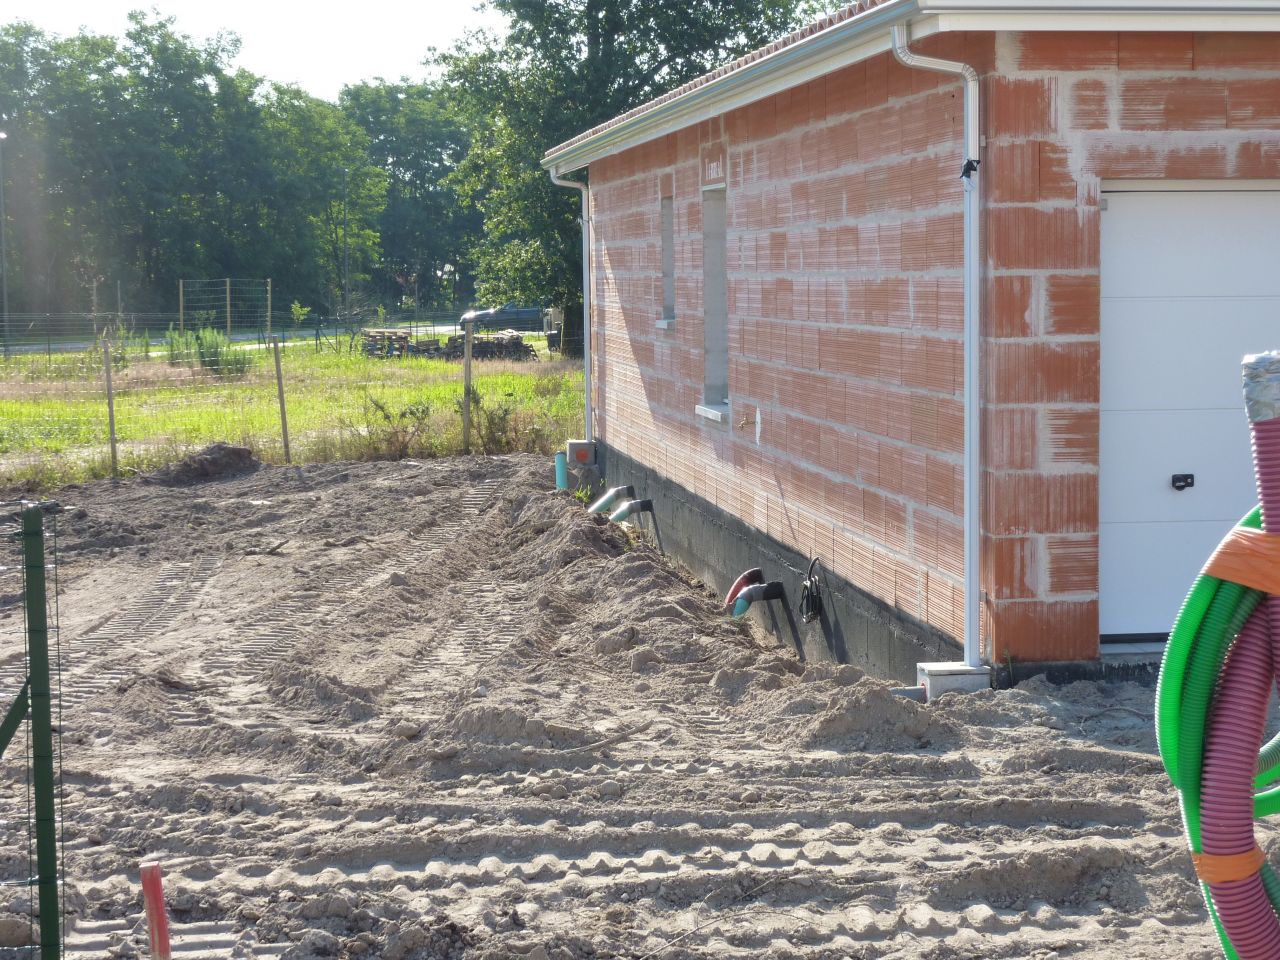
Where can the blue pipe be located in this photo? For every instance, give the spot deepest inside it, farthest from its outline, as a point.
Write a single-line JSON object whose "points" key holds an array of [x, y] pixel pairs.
{"points": [[562, 471]]}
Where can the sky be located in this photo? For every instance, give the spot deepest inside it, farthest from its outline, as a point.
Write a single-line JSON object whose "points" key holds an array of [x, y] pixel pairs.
{"points": [[321, 46]]}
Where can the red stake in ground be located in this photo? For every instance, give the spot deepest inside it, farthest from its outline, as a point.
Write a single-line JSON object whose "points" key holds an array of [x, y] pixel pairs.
{"points": [[157, 917]]}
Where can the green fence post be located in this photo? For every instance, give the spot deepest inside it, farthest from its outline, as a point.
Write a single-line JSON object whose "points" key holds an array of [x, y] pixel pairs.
{"points": [[41, 734]]}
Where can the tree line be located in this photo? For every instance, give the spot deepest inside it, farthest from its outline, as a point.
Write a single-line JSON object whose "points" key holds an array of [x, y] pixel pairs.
{"points": [[148, 158]]}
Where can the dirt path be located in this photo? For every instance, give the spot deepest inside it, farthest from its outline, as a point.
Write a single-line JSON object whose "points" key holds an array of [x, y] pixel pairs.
{"points": [[435, 710]]}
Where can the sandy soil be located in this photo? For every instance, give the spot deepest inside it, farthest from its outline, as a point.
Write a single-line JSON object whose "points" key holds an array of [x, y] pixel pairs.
{"points": [[436, 710]]}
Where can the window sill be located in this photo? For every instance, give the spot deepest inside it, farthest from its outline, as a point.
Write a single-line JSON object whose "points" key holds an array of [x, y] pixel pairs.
{"points": [[667, 323], [715, 412]]}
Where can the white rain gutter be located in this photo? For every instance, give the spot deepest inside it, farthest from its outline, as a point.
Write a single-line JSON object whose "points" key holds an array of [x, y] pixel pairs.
{"points": [[972, 334], [590, 432]]}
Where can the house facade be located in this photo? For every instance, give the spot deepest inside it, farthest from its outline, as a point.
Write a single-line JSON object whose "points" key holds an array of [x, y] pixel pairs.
{"points": [[777, 265]]}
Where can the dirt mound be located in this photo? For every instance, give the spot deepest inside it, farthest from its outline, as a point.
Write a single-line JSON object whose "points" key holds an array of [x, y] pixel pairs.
{"points": [[308, 689], [437, 710], [214, 462]]}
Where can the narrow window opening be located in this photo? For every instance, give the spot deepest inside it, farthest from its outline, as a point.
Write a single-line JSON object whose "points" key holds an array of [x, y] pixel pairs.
{"points": [[668, 259], [715, 298]]}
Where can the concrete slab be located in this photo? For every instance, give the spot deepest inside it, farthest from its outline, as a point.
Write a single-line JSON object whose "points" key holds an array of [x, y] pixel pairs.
{"points": [[940, 678]]}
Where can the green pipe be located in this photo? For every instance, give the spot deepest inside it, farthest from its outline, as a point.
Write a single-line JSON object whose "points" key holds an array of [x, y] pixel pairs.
{"points": [[41, 734]]}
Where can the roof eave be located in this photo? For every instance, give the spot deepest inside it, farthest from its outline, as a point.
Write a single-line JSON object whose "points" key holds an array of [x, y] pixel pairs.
{"points": [[867, 34], [821, 53]]}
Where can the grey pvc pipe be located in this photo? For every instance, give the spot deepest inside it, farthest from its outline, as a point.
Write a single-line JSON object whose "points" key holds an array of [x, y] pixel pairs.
{"points": [[610, 497], [630, 508], [972, 334]]}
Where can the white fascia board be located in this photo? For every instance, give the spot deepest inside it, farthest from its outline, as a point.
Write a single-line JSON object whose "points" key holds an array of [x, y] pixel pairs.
{"points": [[1093, 8], [837, 47], [1033, 21]]}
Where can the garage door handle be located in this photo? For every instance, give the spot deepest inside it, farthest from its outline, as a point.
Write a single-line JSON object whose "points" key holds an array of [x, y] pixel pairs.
{"points": [[1183, 480]]}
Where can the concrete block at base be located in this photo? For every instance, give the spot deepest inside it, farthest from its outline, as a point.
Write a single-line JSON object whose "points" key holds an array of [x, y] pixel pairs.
{"points": [[940, 678]]}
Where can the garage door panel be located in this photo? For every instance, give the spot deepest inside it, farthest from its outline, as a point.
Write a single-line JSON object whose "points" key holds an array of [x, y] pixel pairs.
{"points": [[1146, 570], [1157, 333], [1142, 450], [1190, 284], [1170, 238]]}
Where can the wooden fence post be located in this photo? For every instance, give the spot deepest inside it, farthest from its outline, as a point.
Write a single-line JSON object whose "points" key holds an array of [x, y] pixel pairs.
{"points": [[284, 417], [111, 409], [468, 333]]}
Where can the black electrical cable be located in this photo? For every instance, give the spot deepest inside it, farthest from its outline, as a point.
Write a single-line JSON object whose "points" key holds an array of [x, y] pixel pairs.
{"points": [[811, 594]]}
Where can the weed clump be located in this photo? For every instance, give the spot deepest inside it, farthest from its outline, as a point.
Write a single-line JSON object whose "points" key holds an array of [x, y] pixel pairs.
{"points": [[210, 349]]}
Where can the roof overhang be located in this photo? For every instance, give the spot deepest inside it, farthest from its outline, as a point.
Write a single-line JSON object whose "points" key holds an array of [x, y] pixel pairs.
{"points": [[868, 34]]}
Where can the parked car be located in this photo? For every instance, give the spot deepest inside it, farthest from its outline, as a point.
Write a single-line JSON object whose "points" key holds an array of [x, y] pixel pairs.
{"points": [[507, 317]]}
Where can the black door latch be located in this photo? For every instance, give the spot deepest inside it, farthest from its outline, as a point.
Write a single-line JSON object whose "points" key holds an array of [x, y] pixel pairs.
{"points": [[1183, 480]]}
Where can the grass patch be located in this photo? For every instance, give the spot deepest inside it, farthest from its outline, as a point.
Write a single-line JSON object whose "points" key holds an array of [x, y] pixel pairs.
{"points": [[179, 395]]}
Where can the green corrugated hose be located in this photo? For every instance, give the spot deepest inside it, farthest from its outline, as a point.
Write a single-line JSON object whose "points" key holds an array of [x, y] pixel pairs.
{"points": [[1211, 617]]}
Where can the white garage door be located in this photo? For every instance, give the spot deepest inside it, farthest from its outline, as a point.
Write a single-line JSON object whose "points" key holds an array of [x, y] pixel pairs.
{"points": [[1190, 284]]}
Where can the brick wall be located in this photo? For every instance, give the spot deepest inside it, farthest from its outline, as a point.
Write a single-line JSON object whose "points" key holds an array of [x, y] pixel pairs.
{"points": [[845, 305], [1066, 111]]}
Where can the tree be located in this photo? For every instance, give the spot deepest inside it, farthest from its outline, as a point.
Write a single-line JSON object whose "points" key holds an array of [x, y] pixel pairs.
{"points": [[146, 159], [565, 66], [426, 234]]}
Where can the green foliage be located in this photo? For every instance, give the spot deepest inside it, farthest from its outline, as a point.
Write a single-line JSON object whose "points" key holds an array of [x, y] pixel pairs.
{"points": [[149, 158], [426, 233], [298, 314], [209, 349], [180, 346], [330, 397], [563, 68]]}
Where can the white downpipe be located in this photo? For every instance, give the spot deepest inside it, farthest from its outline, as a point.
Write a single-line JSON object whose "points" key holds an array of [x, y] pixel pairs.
{"points": [[972, 336], [586, 294]]}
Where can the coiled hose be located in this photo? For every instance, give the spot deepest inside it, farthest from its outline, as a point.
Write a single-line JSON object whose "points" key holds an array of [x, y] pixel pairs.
{"points": [[1211, 703]]}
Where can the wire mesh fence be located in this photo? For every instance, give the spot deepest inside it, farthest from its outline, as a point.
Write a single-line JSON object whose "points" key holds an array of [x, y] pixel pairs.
{"points": [[95, 395]]}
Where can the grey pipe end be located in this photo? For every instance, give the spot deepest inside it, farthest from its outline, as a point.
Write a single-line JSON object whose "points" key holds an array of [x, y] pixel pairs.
{"points": [[1262, 386]]}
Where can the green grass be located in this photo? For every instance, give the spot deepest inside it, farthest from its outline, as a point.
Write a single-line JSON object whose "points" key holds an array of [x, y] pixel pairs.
{"points": [[341, 405]]}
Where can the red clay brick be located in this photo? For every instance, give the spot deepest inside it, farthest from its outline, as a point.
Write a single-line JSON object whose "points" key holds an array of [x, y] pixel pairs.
{"points": [[1198, 163], [938, 543], [1071, 436], [1254, 103], [1072, 302], [1120, 159], [1173, 103], [1010, 438], [1019, 503], [1020, 107], [1073, 564], [1064, 50], [1091, 105], [1010, 567], [1055, 177], [1258, 160], [1236, 51], [1008, 307], [1033, 238], [1156, 51], [1031, 631], [1042, 372]]}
